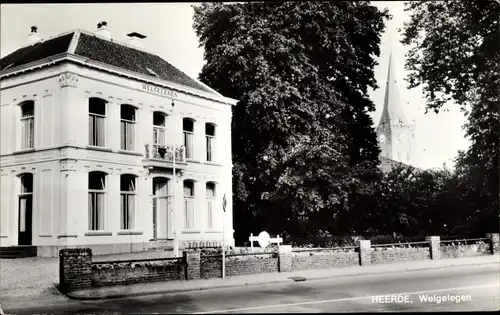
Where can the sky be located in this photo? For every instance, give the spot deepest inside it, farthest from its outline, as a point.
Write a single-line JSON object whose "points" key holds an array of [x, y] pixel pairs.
{"points": [[169, 31]]}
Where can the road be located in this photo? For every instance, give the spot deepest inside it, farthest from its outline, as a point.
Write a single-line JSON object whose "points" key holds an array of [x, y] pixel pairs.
{"points": [[477, 287]]}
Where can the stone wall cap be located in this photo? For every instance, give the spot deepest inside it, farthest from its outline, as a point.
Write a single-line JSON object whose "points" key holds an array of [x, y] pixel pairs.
{"points": [[75, 252]]}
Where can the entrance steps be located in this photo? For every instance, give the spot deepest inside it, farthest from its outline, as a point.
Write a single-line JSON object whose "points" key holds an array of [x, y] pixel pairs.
{"points": [[20, 251]]}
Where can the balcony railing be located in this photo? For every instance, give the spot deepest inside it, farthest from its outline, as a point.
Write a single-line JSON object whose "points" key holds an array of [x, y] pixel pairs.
{"points": [[158, 152]]}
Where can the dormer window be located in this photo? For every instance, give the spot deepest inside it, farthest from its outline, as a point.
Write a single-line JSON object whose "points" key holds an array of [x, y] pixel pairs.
{"points": [[153, 73]]}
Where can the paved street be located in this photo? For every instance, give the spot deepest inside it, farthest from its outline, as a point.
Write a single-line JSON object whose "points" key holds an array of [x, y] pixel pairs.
{"points": [[477, 286]]}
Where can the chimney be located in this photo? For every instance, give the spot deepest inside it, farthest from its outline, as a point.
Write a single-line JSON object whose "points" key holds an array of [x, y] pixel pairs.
{"points": [[33, 37], [135, 39], [103, 30]]}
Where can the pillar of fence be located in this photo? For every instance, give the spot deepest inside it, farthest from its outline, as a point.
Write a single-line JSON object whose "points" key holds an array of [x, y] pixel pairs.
{"points": [[365, 252], [494, 242], [75, 269], [434, 246], [192, 260], [284, 258]]}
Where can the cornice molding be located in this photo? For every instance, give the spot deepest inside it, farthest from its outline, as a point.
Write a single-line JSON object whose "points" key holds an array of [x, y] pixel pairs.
{"points": [[50, 61]]}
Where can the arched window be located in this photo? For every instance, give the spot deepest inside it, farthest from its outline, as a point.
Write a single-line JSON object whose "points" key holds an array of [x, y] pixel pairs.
{"points": [[27, 125], [97, 122], [188, 204], [26, 183], [159, 131], [97, 193], [127, 125], [210, 136], [188, 129], [210, 203], [128, 192]]}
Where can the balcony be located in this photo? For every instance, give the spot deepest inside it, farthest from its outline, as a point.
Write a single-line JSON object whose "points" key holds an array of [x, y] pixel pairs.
{"points": [[158, 155]]}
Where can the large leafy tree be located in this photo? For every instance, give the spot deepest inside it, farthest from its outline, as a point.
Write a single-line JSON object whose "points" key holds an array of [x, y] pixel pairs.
{"points": [[455, 56], [303, 145]]}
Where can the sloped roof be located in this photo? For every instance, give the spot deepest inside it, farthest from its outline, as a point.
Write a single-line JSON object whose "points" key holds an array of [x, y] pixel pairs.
{"points": [[104, 51], [38, 51], [387, 164]]}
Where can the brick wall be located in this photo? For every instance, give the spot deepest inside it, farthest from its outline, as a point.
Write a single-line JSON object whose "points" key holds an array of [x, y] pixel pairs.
{"points": [[211, 266], [251, 264], [324, 259], [381, 255], [74, 269], [119, 273], [464, 250]]}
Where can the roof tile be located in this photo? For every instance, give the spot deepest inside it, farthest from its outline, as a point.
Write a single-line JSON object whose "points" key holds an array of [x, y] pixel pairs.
{"points": [[37, 51], [131, 59], [105, 51]]}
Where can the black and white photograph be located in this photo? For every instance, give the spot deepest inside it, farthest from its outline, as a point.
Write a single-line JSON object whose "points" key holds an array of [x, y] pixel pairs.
{"points": [[249, 157]]}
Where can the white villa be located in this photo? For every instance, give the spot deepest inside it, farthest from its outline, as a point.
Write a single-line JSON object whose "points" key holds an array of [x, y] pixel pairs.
{"points": [[89, 131]]}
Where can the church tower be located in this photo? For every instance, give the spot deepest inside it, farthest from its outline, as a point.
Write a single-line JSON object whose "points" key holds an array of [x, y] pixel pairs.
{"points": [[395, 134]]}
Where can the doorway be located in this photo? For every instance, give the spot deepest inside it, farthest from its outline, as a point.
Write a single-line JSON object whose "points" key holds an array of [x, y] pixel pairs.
{"points": [[25, 210], [162, 209]]}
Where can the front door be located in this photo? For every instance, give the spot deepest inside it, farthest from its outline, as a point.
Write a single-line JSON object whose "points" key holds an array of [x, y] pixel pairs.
{"points": [[25, 219], [162, 218]]}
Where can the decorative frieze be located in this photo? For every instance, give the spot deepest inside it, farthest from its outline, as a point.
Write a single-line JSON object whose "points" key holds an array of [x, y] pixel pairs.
{"points": [[68, 79], [68, 165]]}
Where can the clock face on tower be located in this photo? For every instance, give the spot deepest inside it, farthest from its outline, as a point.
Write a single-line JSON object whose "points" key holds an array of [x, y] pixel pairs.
{"points": [[382, 138]]}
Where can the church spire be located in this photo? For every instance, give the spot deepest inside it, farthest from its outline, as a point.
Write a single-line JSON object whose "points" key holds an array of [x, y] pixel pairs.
{"points": [[392, 112], [394, 133]]}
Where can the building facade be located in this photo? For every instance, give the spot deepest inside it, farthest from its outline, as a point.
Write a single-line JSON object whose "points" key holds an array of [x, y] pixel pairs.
{"points": [[395, 135], [107, 146]]}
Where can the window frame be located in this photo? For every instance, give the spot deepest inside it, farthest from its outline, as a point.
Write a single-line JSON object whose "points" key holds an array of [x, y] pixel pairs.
{"points": [[22, 196], [129, 224], [124, 145], [160, 130], [210, 143], [189, 134], [210, 200], [27, 132], [96, 192], [93, 118], [189, 205]]}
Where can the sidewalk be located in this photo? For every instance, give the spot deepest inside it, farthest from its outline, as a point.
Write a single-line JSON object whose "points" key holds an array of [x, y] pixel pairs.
{"points": [[268, 278]]}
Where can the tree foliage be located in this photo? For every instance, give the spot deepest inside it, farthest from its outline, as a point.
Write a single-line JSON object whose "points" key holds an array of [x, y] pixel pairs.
{"points": [[455, 56], [302, 139]]}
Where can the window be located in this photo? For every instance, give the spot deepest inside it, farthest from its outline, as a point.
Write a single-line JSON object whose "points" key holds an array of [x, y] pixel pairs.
{"points": [[97, 191], [210, 136], [127, 191], [188, 128], [127, 123], [25, 199], [97, 122], [210, 204], [188, 204], [159, 131], [28, 125]]}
